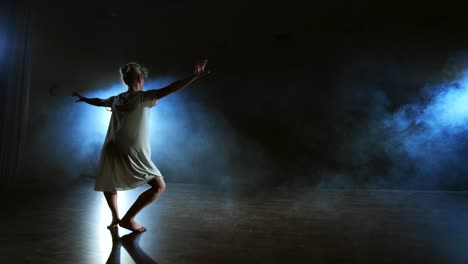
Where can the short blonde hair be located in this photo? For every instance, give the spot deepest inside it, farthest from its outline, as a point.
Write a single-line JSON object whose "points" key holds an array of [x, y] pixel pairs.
{"points": [[132, 70]]}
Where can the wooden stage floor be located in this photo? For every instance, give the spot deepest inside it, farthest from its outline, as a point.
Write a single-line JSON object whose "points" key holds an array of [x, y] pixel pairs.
{"points": [[201, 224]]}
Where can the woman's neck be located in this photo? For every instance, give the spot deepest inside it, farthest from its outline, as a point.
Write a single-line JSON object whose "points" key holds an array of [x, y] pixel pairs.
{"points": [[134, 88]]}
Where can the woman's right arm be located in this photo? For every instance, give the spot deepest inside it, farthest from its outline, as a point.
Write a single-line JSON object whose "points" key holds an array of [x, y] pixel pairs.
{"points": [[92, 101]]}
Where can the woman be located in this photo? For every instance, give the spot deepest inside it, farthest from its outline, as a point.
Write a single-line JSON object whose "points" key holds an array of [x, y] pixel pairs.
{"points": [[126, 155]]}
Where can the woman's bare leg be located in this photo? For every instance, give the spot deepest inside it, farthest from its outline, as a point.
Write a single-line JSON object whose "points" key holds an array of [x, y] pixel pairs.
{"points": [[128, 221], [111, 198]]}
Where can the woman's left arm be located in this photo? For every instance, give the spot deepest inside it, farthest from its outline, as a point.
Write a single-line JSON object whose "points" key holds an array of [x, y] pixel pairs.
{"points": [[177, 85], [173, 87]]}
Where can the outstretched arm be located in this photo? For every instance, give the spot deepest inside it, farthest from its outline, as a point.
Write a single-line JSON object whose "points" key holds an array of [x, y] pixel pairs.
{"points": [[173, 87], [177, 85], [92, 101]]}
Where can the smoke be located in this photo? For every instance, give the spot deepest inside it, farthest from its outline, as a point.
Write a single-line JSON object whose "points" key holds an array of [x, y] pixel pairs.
{"points": [[421, 144], [190, 142], [388, 125], [193, 143]]}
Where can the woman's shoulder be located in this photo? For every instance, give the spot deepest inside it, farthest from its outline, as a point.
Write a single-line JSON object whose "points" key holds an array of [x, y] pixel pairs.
{"points": [[130, 93], [127, 95]]}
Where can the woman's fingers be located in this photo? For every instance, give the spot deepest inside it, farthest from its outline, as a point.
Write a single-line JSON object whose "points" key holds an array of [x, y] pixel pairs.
{"points": [[200, 67], [75, 94], [203, 63]]}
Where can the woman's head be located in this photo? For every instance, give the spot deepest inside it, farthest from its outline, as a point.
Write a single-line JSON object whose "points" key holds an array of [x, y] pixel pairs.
{"points": [[133, 73]]}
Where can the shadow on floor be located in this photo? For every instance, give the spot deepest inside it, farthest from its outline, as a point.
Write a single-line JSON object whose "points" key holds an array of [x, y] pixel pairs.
{"points": [[130, 242]]}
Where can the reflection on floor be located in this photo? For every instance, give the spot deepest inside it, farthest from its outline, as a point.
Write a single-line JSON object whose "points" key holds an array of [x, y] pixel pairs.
{"points": [[201, 224]]}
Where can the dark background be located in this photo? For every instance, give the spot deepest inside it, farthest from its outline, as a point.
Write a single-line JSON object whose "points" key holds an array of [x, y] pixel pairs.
{"points": [[298, 92]]}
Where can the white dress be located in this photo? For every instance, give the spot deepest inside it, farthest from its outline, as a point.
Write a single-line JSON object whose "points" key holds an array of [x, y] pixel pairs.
{"points": [[126, 155]]}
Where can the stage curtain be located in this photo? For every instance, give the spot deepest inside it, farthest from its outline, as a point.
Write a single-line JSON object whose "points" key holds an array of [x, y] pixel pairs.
{"points": [[14, 84]]}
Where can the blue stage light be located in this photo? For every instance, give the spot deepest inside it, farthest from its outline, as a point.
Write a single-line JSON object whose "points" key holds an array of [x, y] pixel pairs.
{"points": [[430, 136], [92, 122], [449, 107]]}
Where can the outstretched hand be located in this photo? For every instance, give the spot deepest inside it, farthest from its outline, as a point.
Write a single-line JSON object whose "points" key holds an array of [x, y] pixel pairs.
{"points": [[80, 98], [200, 70]]}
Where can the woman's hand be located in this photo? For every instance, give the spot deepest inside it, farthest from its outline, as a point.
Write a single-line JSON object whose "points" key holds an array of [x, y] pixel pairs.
{"points": [[200, 68], [80, 98]]}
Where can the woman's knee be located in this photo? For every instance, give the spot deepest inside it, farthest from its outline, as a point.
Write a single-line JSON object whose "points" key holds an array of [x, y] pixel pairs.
{"points": [[158, 184], [161, 187]]}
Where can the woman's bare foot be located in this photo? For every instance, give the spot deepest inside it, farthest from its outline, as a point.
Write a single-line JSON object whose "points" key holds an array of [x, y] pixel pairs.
{"points": [[131, 225], [114, 223]]}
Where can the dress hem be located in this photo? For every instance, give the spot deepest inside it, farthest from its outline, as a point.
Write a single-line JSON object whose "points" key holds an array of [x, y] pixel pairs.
{"points": [[130, 187]]}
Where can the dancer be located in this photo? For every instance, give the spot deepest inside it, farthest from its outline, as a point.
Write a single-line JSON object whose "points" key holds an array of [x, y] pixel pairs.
{"points": [[126, 154]]}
